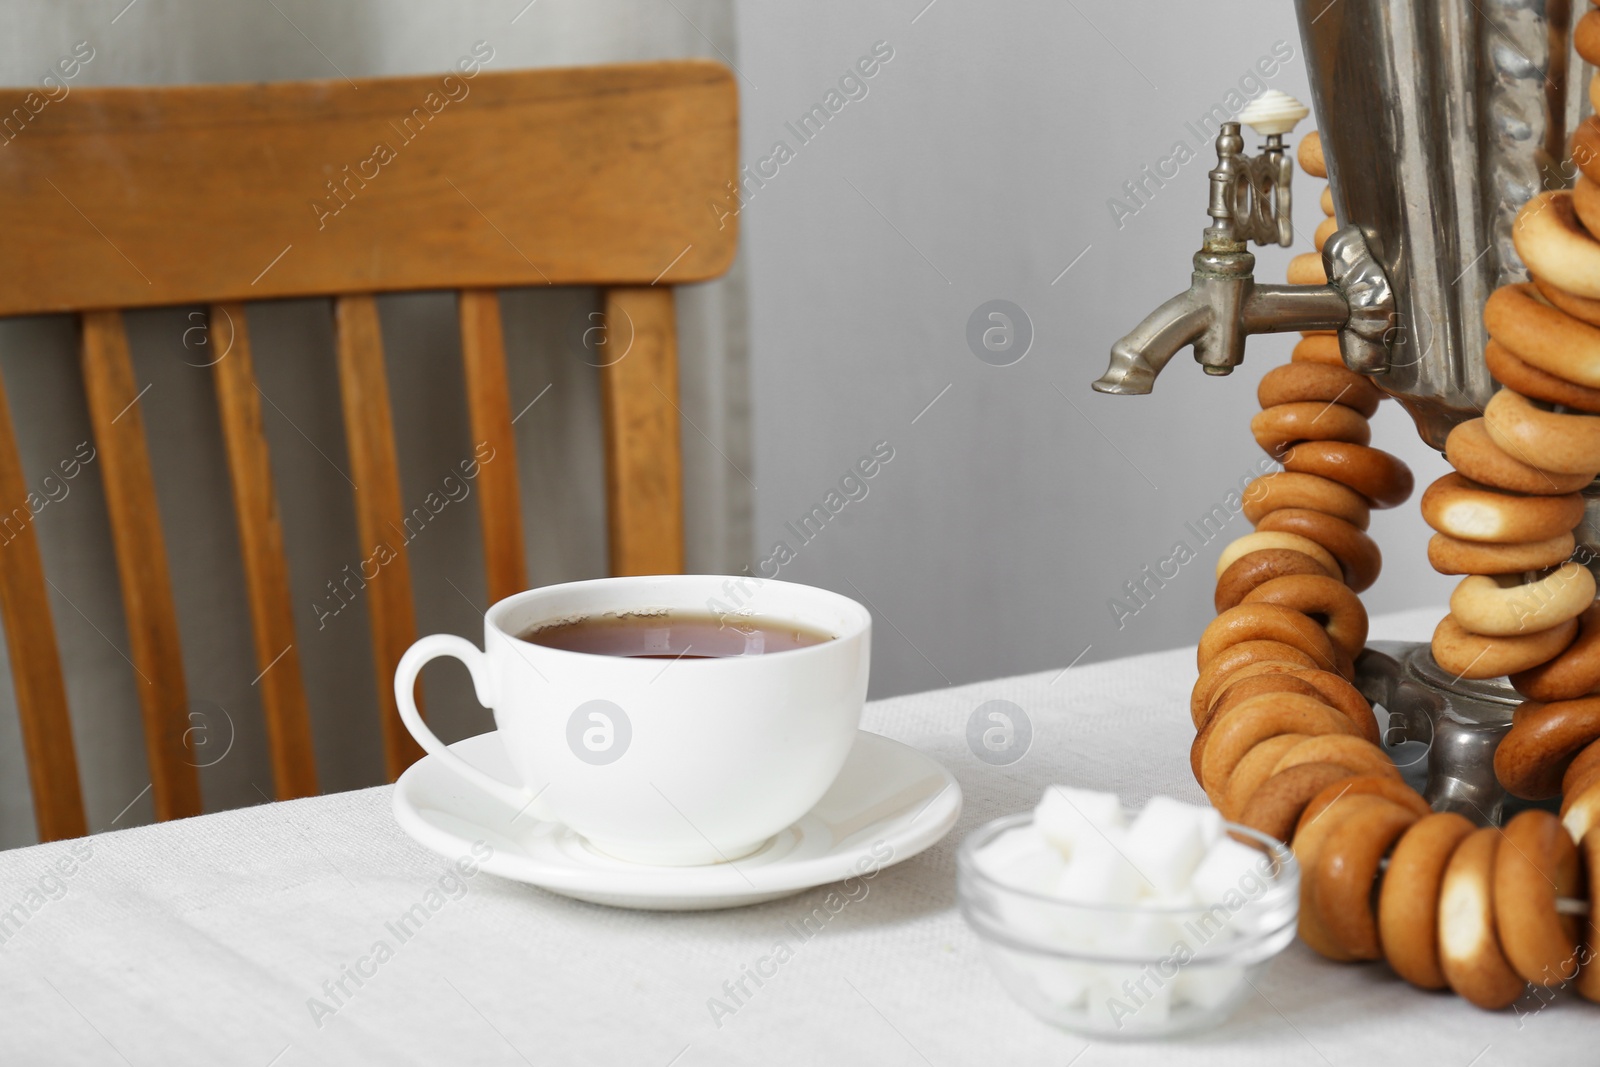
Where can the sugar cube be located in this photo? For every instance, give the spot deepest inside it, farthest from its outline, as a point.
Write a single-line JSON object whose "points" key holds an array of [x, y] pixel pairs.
{"points": [[1098, 872], [1168, 839], [1066, 816], [1021, 858]]}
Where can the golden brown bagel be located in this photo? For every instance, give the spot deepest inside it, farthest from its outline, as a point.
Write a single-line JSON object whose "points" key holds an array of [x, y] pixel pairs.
{"points": [[1245, 654], [1451, 556], [1515, 374], [1254, 568], [1546, 337], [1408, 902], [1588, 982], [1382, 479], [1465, 510], [1325, 229], [1586, 38], [1255, 720], [1300, 382], [1467, 655], [1253, 771], [1274, 808], [1574, 673], [1359, 557], [1318, 348], [1310, 838], [1542, 741], [1307, 269], [1239, 690], [1311, 420], [1554, 245], [1326, 200], [1356, 754], [1547, 439], [1474, 454], [1347, 866], [1469, 952], [1340, 695], [1265, 622], [1536, 864], [1326, 600], [1288, 489], [1310, 155]]}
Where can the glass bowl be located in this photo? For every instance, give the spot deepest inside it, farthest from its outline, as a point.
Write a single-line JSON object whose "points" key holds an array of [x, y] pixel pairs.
{"points": [[1135, 971]]}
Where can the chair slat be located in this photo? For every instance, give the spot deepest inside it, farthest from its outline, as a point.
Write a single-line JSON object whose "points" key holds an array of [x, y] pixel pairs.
{"points": [[255, 505], [375, 469], [35, 661], [141, 551], [639, 404], [483, 355]]}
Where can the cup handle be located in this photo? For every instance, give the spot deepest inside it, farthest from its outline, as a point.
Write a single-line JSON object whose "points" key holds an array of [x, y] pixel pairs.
{"points": [[405, 681]]}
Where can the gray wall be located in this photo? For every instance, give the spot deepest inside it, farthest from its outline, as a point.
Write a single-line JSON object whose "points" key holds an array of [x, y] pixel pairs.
{"points": [[977, 167]]}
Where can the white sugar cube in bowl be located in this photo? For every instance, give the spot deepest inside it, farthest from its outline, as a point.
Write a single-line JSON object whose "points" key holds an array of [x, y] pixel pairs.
{"points": [[1127, 924]]}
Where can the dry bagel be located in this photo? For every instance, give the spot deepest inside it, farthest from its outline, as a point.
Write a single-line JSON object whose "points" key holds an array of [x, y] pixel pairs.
{"points": [[1588, 982], [1408, 902], [1574, 673], [1579, 307], [1310, 837], [1282, 425], [1463, 509], [1584, 769], [1504, 605], [1255, 568], [1550, 440], [1318, 348], [1288, 489], [1307, 269], [1239, 690], [1326, 200], [1294, 383], [1359, 557], [1553, 244], [1261, 540], [1252, 772], [1543, 740], [1347, 866], [1325, 229], [1339, 694], [1546, 337], [1473, 453], [1265, 622], [1536, 864], [1385, 786], [1451, 556], [1468, 655], [1516, 374], [1274, 809], [1244, 654], [1327, 601], [1586, 38], [1469, 952], [1355, 754], [1310, 155], [1255, 720], [1382, 479]]}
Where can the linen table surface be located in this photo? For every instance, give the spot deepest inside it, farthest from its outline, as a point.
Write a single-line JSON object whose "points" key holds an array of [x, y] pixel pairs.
{"points": [[217, 940]]}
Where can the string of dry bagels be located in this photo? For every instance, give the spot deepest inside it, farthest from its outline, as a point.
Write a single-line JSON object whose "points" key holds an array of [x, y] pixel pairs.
{"points": [[1287, 745]]}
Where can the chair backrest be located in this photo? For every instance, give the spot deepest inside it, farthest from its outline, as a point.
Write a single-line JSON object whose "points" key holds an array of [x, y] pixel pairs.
{"points": [[215, 195]]}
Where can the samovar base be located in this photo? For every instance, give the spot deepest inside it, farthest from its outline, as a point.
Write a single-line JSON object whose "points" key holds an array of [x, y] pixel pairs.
{"points": [[1442, 731]]}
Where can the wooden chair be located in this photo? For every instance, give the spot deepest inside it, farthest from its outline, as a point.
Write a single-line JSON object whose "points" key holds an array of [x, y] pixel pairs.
{"points": [[615, 176]]}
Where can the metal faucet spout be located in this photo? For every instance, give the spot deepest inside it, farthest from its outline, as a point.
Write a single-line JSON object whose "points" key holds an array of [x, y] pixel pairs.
{"points": [[1139, 357]]}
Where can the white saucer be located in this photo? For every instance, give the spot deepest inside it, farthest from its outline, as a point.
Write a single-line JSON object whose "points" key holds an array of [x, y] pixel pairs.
{"points": [[889, 803]]}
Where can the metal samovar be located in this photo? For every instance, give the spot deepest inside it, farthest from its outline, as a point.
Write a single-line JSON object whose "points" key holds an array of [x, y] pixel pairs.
{"points": [[1440, 119]]}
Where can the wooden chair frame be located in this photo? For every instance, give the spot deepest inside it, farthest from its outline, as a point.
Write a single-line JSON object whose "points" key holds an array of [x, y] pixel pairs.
{"points": [[616, 176]]}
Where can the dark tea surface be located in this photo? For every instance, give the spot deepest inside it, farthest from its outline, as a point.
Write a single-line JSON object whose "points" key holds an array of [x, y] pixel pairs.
{"points": [[673, 635]]}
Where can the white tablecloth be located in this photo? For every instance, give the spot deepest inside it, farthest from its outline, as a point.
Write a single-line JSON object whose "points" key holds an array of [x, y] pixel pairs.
{"points": [[204, 941]]}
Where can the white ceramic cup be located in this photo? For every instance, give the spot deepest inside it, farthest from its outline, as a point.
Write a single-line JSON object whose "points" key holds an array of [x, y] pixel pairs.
{"points": [[672, 762]]}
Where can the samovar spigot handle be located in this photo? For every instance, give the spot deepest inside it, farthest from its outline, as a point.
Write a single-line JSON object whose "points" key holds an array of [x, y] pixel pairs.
{"points": [[1250, 202]]}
